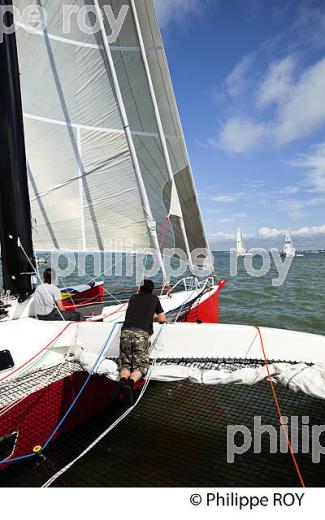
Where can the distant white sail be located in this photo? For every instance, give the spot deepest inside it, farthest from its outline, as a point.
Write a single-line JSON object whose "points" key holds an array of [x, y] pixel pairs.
{"points": [[289, 249], [240, 244]]}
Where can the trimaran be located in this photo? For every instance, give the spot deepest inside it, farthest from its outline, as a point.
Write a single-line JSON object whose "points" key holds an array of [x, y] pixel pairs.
{"points": [[98, 128]]}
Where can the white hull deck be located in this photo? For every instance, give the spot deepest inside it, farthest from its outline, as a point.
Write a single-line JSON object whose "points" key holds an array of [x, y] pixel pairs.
{"points": [[27, 338]]}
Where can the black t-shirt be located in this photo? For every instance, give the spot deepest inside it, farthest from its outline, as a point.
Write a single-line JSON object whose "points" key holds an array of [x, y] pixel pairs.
{"points": [[141, 311]]}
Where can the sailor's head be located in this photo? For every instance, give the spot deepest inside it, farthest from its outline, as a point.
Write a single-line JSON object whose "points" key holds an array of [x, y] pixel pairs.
{"points": [[147, 287], [49, 275]]}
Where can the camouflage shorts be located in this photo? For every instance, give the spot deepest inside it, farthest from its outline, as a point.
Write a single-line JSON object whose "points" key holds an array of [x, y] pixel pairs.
{"points": [[134, 351]]}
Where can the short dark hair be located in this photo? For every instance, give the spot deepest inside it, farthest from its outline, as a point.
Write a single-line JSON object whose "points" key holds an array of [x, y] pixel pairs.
{"points": [[49, 275], [147, 287]]}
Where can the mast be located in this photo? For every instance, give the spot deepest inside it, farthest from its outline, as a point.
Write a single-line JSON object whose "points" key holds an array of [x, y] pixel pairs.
{"points": [[144, 197], [162, 137], [15, 213]]}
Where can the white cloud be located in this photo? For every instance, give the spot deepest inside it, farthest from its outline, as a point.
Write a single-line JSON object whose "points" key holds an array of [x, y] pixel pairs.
{"points": [[267, 233], [296, 208], [298, 108], [221, 236], [303, 110], [236, 80], [227, 198], [176, 11], [225, 220], [240, 135], [314, 163], [278, 82]]}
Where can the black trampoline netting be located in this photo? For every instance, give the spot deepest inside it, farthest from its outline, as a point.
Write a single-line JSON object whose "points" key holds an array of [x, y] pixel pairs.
{"points": [[177, 436]]}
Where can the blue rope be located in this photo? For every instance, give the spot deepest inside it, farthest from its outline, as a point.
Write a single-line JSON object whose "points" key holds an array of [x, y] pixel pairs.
{"points": [[81, 390], [18, 458]]}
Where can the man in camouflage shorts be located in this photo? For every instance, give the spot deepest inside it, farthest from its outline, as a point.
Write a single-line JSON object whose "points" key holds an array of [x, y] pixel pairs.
{"points": [[143, 308], [134, 351]]}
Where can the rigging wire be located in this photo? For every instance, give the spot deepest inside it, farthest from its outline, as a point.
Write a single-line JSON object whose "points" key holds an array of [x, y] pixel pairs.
{"points": [[37, 274]]}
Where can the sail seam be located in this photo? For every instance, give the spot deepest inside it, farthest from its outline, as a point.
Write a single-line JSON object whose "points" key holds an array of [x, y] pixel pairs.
{"points": [[77, 43], [93, 128]]}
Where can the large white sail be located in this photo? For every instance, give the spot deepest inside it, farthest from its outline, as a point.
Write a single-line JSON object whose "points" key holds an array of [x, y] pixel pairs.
{"points": [[84, 186], [240, 244], [83, 189]]}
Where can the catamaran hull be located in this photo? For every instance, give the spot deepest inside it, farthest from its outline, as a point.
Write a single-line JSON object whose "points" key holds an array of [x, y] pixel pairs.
{"points": [[32, 419], [200, 303], [81, 295]]}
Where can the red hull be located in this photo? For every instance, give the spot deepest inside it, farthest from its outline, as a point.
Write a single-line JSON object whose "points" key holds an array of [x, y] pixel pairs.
{"points": [[207, 311], [73, 299], [36, 417]]}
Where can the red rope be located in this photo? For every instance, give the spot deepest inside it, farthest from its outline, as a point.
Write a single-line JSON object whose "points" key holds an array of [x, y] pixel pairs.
{"points": [[118, 281], [38, 353], [279, 410]]}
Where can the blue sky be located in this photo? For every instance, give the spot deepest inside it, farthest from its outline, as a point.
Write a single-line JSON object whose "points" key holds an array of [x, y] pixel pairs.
{"points": [[249, 78]]}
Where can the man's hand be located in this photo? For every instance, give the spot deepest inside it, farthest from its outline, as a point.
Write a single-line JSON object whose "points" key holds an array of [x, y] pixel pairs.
{"points": [[161, 318]]}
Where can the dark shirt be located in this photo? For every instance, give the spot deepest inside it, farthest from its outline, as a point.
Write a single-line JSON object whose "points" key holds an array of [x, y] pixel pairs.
{"points": [[141, 311]]}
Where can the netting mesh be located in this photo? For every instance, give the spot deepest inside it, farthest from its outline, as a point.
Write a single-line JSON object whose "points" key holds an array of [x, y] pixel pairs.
{"points": [[176, 436]]}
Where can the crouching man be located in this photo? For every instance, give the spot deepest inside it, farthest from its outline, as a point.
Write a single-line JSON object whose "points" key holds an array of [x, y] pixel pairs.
{"points": [[143, 308]]}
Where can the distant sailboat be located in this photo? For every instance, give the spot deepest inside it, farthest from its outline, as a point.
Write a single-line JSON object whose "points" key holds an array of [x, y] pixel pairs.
{"points": [[289, 249], [240, 244]]}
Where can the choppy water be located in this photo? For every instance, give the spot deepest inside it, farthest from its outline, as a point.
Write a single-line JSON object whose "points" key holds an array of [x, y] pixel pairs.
{"points": [[299, 304]]}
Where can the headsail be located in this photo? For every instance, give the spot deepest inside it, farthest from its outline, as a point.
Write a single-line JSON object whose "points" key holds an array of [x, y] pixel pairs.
{"points": [[289, 249], [240, 244], [139, 103]]}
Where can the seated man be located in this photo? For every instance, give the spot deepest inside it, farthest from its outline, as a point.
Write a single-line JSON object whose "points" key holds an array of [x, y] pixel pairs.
{"points": [[48, 301], [135, 340]]}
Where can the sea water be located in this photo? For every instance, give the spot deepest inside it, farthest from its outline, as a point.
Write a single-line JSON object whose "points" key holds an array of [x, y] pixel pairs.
{"points": [[299, 304]]}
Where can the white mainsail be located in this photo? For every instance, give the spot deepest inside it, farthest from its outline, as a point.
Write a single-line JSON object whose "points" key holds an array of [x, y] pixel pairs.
{"points": [[240, 244], [289, 249], [87, 163]]}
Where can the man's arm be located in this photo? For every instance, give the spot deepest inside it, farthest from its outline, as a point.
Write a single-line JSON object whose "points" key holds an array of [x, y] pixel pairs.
{"points": [[160, 315], [58, 300], [60, 305]]}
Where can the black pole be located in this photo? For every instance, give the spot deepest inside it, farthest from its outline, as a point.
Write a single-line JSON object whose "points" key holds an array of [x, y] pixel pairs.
{"points": [[15, 213]]}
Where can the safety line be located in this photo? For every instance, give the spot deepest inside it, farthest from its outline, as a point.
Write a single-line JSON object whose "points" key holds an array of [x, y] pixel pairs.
{"points": [[279, 409], [102, 352]]}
